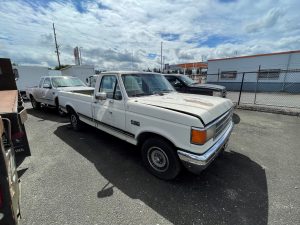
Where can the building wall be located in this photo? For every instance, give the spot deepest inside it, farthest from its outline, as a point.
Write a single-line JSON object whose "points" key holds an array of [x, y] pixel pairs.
{"points": [[54, 73], [29, 76], [82, 72], [288, 81]]}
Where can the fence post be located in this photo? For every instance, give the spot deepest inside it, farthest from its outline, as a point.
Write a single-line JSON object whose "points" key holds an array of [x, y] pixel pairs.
{"points": [[241, 88], [218, 75], [257, 77]]}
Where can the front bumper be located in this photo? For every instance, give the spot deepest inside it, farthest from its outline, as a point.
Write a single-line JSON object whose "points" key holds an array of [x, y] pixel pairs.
{"points": [[196, 163]]}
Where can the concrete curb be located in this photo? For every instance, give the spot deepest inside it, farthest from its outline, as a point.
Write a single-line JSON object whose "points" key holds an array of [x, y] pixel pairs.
{"points": [[259, 108]]}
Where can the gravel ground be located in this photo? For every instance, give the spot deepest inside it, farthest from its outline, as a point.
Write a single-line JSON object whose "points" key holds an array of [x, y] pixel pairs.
{"points": [[90, 177]]}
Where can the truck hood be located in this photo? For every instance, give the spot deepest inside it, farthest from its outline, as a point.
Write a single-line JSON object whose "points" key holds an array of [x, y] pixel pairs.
{"points": [[207, 108], [75, 88], [209, 86]]}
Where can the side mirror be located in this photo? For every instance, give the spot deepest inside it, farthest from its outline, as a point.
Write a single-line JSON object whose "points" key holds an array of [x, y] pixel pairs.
{"points": [[47, 86], [100, 96]]}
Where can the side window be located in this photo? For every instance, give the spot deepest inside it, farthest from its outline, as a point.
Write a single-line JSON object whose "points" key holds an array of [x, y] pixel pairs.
{"points": [[47, 83], [41, 83], [177, 82], [110, 86]]}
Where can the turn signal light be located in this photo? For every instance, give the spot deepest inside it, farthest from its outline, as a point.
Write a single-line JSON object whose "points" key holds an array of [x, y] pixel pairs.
{"points": [[198, 137]]}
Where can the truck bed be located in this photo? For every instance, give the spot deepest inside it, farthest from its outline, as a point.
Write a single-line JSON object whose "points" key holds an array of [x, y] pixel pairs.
{"points": [[8, 101]]}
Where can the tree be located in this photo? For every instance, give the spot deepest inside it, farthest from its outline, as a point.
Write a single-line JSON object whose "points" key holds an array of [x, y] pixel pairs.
{"points": [[61, 67]]}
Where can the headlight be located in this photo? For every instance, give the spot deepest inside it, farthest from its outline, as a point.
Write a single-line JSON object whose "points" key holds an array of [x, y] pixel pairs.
{"points": [[217, 93], [201, 136]]}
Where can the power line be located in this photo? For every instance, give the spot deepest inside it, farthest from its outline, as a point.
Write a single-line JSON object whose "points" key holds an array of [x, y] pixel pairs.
{"points": [[56, 46]]}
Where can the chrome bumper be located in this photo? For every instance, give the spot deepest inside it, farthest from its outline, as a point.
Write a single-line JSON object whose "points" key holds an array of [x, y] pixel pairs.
{"points": [[196, 163]]}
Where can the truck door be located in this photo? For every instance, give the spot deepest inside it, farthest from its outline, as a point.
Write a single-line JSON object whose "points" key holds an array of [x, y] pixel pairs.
{"points": [[111, 111], [37, 93], [47, 92]]}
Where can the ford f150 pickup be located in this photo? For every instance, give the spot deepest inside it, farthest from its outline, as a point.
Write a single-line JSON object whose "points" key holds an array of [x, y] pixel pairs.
{"points": [[172, 129], [49, 86]]}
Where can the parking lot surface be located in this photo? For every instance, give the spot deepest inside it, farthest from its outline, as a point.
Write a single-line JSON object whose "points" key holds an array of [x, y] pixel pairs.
{"points": [[90, 177]]}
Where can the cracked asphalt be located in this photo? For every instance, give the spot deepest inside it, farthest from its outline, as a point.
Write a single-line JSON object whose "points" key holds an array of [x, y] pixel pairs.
{"points": [[90, 177]]}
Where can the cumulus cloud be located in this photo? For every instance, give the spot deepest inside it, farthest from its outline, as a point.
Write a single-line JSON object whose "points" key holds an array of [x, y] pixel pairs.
{"points": [[127, 34]]}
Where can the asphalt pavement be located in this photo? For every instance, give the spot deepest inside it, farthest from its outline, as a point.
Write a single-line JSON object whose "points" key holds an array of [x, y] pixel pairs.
{"points": [[90, 177]]}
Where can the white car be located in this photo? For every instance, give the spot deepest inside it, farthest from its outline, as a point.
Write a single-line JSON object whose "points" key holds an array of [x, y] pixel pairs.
{"points": [[49, 86], [172, 129]]}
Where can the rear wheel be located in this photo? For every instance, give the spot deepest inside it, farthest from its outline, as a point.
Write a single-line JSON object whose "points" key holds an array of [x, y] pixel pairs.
{"points": [[35, 104], [160, 158], [75, 121]]}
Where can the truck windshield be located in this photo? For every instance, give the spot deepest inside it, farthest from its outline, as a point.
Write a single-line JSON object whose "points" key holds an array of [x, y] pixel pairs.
{"points": [[67, 82], [145, 84]]}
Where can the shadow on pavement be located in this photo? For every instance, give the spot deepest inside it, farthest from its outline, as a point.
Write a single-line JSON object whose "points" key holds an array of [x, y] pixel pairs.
{"points": [[46, 113], [233, 190]]}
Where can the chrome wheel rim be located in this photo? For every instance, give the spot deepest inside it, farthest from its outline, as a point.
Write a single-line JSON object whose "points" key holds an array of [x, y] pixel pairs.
{"points": [[158, 159]]}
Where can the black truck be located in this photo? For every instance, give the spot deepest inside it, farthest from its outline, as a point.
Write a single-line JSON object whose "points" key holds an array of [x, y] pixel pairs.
{"points": [[184, 84], [14, 145]]}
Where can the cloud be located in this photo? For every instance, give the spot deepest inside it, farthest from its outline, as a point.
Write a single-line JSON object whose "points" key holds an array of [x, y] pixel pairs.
{"points": [[269, 20], [127, 33]]}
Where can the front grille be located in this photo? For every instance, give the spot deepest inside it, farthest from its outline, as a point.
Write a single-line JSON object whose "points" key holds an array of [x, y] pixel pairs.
{"points": [[223, 123]]}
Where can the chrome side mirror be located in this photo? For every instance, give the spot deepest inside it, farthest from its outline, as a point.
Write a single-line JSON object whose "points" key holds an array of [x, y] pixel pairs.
{"points": [[100, 96]]}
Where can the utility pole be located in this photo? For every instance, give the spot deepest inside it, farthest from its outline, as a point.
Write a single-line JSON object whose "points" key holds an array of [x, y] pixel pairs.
{"points": [[56, 46], [80, 59], [161, 58]]}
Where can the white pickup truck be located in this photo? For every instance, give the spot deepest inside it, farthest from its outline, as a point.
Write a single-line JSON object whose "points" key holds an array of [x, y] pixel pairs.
{"points": [[49, 86], [172, 129]]}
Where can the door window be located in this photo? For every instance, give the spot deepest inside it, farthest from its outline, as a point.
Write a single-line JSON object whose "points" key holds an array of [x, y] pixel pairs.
{"points": [[109, 85], [47, 83]]}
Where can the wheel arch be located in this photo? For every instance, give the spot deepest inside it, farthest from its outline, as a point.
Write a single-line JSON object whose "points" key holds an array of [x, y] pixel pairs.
{"points": [[143, 136]]}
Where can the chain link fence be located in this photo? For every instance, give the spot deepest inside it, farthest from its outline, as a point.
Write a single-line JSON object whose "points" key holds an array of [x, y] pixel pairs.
{"points": [[274, 88]]}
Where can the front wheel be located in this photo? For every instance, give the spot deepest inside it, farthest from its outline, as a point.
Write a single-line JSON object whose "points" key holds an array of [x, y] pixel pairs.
{"points": [[35, 104], [75, 121], [160, 158]]}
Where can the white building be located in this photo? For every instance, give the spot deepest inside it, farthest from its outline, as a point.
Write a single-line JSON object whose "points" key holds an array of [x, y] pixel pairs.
{"points": [[80, 71], [29, 76], [273, 71]]}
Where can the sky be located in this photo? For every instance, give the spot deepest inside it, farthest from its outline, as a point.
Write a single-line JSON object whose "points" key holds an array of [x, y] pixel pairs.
{"points": [[127, 34]]}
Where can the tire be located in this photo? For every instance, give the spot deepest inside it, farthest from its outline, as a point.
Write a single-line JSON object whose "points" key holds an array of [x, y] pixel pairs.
{"points": [[160, 158], [75, 121], [35, 104]]}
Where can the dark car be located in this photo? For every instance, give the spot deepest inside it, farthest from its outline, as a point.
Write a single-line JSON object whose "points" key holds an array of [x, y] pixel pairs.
{"points": [[184, 84]]}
